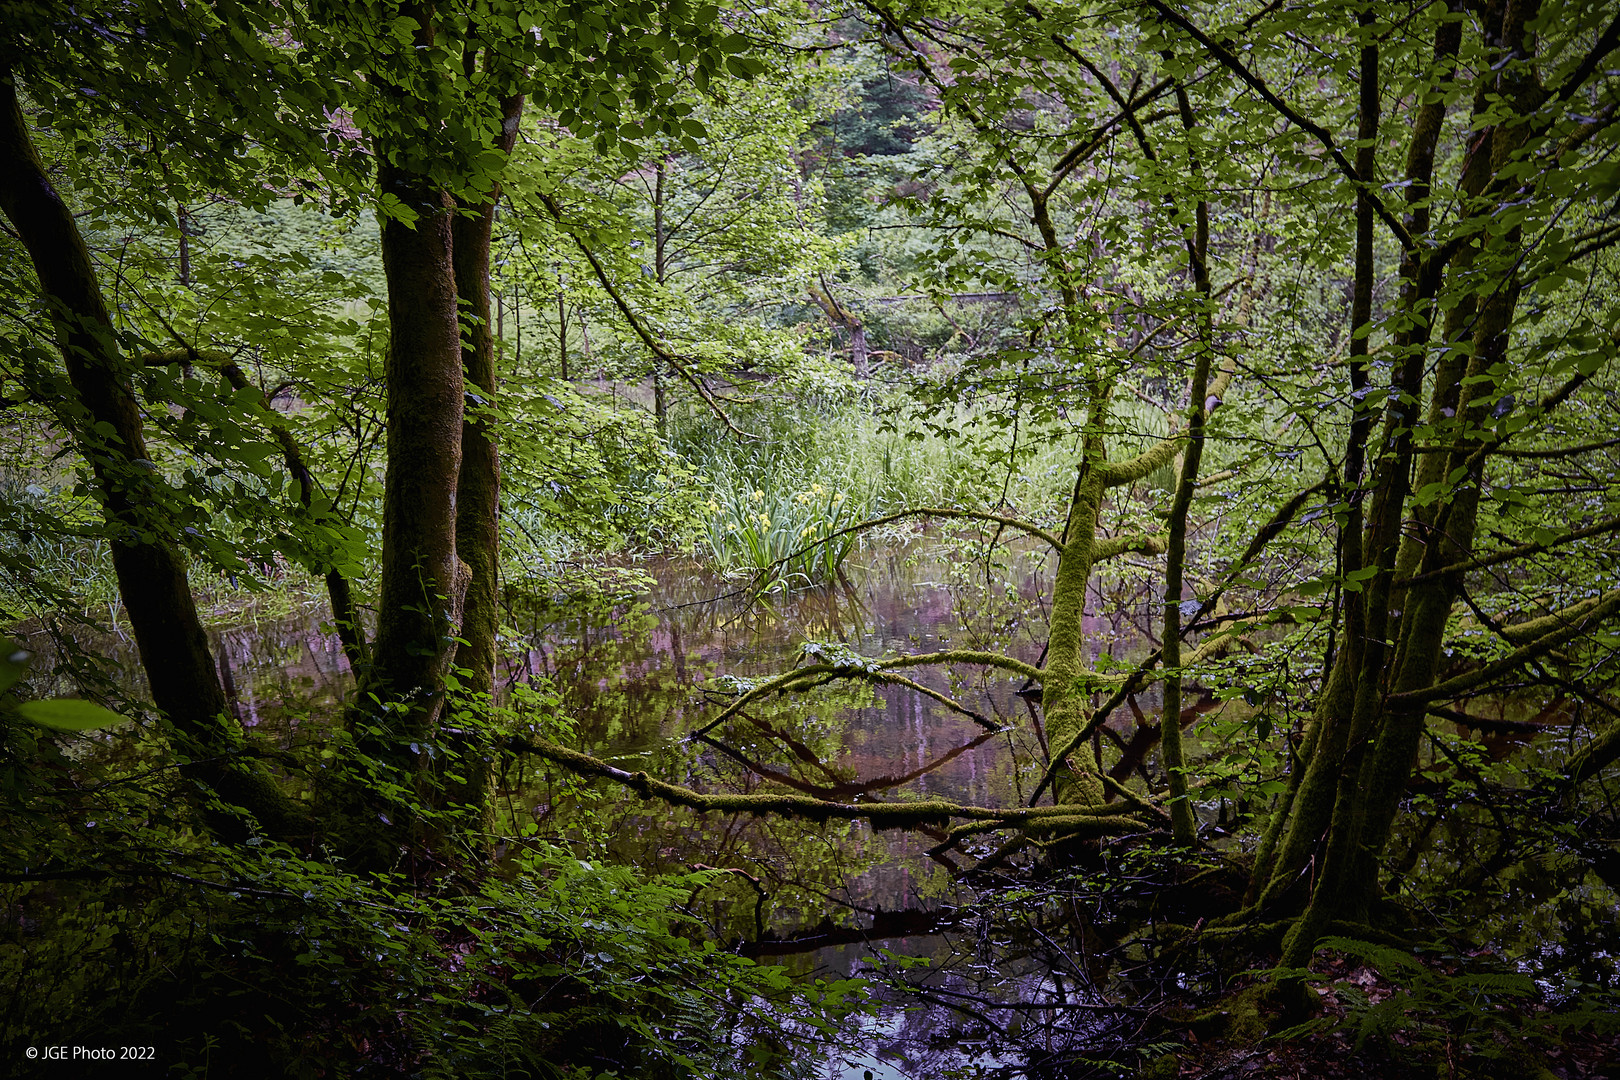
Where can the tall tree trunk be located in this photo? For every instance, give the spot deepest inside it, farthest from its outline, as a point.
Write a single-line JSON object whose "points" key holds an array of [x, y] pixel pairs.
{"points": [[1343, 703], [1184, 826], [422, 582], [478, 494], [1451, 538], [105, 422], [660, 272]]}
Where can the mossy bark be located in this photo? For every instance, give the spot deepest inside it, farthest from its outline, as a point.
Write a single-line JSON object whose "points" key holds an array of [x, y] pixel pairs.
{"points": [[1393, 639], [468, 745], [395, 717], [1430, 602], [1076, 781], [1183, 824]]}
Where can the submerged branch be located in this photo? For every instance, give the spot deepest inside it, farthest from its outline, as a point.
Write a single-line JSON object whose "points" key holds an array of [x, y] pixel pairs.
{"points": [[804, 678]]}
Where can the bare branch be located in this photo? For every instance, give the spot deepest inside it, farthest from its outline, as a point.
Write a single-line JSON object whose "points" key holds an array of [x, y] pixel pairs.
{"points": [[637, 325]]}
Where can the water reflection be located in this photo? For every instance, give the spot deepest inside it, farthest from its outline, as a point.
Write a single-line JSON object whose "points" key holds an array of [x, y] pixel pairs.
{"points": [[836, 899], [1017, 982], [637, 677]]}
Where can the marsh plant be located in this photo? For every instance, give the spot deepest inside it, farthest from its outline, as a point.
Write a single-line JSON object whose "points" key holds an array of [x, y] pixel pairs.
{"points": [[792, 538]]}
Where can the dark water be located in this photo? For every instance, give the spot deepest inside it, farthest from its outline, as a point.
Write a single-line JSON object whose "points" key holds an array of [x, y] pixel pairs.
{"points": [[636, 676], [840, 899]]}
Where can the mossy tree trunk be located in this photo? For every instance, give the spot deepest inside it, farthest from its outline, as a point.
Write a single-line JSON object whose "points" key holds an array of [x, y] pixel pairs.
{"points": [[1320, 858], [422, 583], [469, 749]]}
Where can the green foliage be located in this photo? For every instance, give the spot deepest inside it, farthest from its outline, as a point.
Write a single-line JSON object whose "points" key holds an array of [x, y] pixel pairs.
{"points": [[1441, 1002], [676, 193], [537, 964], [581, 473], [54, 714], [842, 445], [67, 714], [560, 969], [787, 536]]}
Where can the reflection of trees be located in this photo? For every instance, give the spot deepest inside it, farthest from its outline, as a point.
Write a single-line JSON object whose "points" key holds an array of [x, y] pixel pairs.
{"points": [[629, 675]]}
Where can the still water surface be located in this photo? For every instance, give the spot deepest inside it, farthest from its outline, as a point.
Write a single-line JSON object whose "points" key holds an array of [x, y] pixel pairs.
{"points": [[637, 676]]}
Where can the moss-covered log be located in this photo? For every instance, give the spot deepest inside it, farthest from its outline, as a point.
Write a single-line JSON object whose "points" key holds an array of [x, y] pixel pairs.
{"points": [[1097, 821]]}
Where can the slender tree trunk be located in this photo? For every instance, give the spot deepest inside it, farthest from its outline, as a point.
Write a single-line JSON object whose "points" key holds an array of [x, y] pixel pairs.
{"points": [[1183, 824], [1363, 622], [660, 273], [105, 421], [1343, 701], [183, 218]]}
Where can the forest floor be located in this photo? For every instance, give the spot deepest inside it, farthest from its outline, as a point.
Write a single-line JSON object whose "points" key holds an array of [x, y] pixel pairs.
{"points": [[1368, 1030], [1332, 1056]]}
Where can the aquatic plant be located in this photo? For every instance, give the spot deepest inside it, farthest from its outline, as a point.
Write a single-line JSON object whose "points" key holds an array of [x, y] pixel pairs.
{"points": [[797, 538], [880, 459]]}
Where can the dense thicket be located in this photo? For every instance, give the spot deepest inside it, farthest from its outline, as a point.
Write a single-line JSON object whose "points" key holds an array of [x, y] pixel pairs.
{"points": [[1303, 318]]}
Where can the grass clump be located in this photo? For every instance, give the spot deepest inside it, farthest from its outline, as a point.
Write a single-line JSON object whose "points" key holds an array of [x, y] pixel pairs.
{"points": [[795, 536], [817, 467]]}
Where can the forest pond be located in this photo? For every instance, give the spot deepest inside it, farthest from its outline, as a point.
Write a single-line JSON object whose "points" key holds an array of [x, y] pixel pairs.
{"points": [[638, 675], [974, 984]]}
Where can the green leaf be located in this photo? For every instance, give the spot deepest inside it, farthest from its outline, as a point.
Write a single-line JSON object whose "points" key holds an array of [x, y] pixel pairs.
{"points": [[68, 714]]}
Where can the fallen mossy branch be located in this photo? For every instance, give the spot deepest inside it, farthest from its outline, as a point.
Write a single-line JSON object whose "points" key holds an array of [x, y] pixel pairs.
{"points": [[1097, 821], [1072, 821], [1509, 554], [944, 699], [1605, 607]]}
